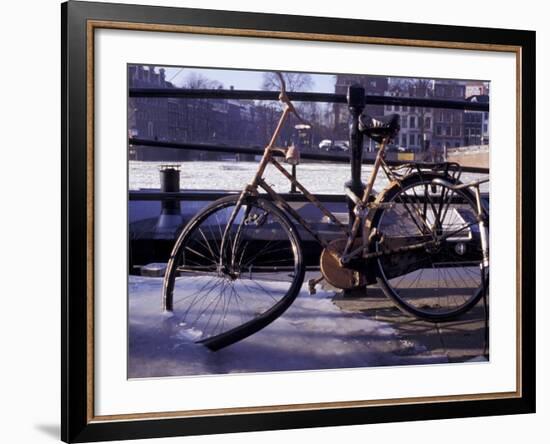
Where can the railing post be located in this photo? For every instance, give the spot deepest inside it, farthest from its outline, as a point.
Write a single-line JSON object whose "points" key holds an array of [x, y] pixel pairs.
{"points": [[292, 185], [356, 104]]}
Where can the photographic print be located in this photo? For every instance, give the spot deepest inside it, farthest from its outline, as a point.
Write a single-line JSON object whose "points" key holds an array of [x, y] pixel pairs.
{"points": [[275, 222], [289, 221]]}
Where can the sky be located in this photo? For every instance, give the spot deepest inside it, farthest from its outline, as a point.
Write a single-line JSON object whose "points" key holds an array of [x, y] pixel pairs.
{"points": [[242, 79], [251, 79]]}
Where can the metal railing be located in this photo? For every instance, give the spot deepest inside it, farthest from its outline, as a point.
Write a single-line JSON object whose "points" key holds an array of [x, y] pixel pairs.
{"points": [[181, 93], [200, 195]]}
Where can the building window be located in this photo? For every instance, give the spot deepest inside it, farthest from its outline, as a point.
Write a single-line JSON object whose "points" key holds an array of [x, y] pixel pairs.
{"points": [[412, 121], [438, 130], [411, 139], [403, 140], [427, 122], [403, 122], [388, 107]]}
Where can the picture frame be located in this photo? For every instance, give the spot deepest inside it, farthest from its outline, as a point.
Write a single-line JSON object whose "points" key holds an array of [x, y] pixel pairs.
{"points": [[80, 22]]}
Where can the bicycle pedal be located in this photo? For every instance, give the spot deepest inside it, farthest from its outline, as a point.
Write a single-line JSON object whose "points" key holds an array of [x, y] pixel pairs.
{"points": [[312, 283]]}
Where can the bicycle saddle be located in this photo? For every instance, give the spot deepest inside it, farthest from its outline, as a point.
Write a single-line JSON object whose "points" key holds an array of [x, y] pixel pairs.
{"points": [[379, 128]]}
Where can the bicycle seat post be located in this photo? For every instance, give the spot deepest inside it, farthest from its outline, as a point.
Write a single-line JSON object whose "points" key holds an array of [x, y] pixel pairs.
{"points": [[356, 104]]}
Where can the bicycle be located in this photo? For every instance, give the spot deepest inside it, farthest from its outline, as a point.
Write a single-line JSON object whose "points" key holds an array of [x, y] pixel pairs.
{"points": [[238, 264]]}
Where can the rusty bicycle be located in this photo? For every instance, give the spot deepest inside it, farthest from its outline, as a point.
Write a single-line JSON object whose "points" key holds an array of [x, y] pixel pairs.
{"points": [[239, 263]]}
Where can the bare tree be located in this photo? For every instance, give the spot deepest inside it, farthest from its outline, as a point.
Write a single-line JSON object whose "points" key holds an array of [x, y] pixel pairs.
{"points": [[415, 87], [199, 121], [295, 81], [198, 81]]}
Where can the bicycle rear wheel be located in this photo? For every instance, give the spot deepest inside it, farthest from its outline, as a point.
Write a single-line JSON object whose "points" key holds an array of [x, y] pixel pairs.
{"points": [[225, 291], [444, 277]]}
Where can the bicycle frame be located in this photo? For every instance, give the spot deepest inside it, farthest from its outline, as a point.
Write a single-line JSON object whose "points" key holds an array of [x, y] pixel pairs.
{"points": [[360, 210], [348, 258], [361, 204]]}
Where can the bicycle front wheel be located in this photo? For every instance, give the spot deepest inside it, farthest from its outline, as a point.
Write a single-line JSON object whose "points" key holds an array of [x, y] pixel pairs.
{"points": [[235, 268], [432, 262]]}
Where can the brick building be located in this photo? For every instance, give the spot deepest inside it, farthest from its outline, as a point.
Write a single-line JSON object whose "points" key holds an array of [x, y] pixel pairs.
{"points": [[448, 123], [476, 123], [416, 122]]}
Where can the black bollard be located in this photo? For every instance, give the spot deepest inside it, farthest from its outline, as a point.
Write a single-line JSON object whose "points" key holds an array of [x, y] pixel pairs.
{"points": [[356, 104], [170, 216]]}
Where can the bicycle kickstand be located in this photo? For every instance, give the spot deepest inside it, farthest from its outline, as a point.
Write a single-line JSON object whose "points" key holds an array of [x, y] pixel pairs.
{"points": [[312, 283]]}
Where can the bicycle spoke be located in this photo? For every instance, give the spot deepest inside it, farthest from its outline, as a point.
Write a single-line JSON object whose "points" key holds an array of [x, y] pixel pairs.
{"points": [[219, 291], [192, 250], [433, 280]]}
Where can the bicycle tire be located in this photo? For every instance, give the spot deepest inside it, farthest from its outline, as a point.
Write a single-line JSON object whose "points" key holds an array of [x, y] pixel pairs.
{"points": [[187, 258], [418, 304]]}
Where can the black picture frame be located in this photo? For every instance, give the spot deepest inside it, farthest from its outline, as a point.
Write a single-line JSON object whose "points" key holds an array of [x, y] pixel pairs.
{"points": [[78, 423]]}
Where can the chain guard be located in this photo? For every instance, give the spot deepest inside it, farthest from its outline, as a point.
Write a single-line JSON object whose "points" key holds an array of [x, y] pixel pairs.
{"points": [[346, 277]]}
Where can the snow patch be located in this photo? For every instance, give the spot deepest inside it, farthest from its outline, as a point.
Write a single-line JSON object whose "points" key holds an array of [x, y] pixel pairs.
{"points": [[312, 334]]}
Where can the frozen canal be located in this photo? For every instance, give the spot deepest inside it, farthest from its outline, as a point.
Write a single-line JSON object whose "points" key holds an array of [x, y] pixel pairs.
{"points": [[318, 178]]}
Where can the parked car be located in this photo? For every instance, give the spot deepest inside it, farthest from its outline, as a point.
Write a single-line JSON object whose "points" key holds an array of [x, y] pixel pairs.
{"points": [[325, 144], [334, 145], [340, 145]]}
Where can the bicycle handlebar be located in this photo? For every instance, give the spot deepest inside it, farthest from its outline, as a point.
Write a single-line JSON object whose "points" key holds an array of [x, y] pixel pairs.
{"points": [[282, 80], [283, 98]]}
